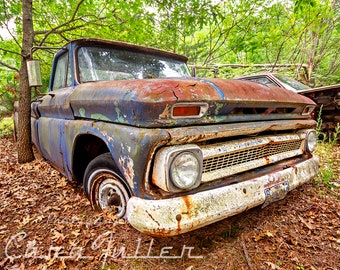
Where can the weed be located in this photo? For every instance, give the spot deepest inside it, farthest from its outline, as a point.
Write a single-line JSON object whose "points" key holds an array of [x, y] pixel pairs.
{"points": [[330, 137], [333, 138], [327, 175], [319, 132]]}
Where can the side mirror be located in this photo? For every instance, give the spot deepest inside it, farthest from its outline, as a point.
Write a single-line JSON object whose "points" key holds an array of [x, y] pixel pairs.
{"points": [[34, 73]]}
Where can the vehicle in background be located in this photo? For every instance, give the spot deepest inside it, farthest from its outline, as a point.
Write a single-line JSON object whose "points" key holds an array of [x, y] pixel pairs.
{"points": [[326, 96]]}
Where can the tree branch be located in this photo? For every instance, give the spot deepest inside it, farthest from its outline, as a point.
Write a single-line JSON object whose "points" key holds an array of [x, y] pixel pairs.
{"points": [[9, 51], [8, 18], [73, 19], [9, 67], [76, 10]]}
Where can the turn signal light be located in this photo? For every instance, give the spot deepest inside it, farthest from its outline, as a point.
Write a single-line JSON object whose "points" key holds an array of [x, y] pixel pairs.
{"points": [[186, 111], [308, 110], [189, 110]]}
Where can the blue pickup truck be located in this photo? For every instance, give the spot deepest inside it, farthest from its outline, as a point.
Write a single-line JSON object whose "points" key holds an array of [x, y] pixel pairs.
{"points": [[168, 152]]}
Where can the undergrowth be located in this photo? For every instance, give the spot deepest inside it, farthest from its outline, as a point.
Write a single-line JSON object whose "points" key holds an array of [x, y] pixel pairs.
{"points": [[6, 127], [328, 153]]}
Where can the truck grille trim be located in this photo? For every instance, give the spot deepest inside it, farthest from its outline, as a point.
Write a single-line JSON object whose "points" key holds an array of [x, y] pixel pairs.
{"points": [[224, 159]]}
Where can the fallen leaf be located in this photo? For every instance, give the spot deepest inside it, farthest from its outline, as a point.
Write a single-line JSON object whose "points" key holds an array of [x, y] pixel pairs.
{"points": [[263, 235], [16, 267], [273, 266], [3, 262], [62, 182], [25, 221], [57, 236], [76, 233], [59, 227], [336, 240], [62, 264], [38, 219], [307, 224]]}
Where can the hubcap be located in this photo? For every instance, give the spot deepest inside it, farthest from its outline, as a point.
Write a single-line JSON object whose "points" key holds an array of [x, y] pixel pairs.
{"points": [[111, 193]]}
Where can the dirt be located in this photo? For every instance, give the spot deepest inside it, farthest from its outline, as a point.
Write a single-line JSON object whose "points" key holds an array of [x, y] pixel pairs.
{"points": [[46, 222]]}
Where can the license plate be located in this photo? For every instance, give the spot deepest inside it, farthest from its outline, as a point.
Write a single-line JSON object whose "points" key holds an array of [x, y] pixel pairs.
{"points": [[275, 191]]}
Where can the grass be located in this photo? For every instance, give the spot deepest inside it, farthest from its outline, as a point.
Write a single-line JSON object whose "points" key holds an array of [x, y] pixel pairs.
{"points": [[6, 127]]}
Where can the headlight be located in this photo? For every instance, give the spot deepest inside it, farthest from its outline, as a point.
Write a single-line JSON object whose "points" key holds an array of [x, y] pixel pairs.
{"points": [[311, 141], [178, 168], [185, 169]]}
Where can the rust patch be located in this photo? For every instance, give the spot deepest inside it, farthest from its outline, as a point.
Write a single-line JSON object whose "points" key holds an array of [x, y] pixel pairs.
{"points": [[267, 160], [166, 113], [188, 203], [178, 218], [158, 232], [127, 164]]}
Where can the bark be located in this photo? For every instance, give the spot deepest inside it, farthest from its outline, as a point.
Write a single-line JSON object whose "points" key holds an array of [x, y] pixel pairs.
{"points": [[25, 151]]}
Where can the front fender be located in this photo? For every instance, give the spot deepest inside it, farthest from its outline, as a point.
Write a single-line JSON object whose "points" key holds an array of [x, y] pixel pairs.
{"points": [[131, 148]]}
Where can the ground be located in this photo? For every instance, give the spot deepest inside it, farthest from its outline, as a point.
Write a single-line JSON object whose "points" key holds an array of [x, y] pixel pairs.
{"points": [[46, 222]]}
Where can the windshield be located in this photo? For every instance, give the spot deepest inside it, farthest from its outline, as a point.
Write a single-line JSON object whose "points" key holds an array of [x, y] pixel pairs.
{"points": [[104, 64], [291, 84]]}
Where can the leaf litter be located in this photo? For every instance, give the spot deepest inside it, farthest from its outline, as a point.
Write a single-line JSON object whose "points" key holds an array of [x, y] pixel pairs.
{"points": [[46, 222]]}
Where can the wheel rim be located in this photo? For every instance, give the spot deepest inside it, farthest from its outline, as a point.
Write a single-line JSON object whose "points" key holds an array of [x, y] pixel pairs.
{"points": [[107, 191], [111, 194]]}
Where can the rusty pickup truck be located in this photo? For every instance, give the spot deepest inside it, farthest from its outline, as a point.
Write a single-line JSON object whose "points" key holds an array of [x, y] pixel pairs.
{"points": [[168, 152]]}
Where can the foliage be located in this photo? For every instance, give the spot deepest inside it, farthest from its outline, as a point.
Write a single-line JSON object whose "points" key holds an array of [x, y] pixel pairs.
{"points": [[326, 144], [209, 32], [323, 136], [9, 79], [6, 127]]}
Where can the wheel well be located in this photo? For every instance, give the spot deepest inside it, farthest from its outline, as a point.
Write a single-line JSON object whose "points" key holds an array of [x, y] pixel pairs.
{"points": [[87, 147]]}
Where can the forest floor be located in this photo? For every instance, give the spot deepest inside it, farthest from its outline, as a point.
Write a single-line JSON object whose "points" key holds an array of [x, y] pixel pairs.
{"points": [[46, 222]]}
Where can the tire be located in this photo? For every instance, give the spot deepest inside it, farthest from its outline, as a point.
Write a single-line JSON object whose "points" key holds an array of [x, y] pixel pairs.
{"points": [[104, 187]]}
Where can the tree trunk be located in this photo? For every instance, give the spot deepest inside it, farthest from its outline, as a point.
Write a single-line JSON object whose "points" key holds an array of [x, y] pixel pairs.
{"points": [[25, 151]]}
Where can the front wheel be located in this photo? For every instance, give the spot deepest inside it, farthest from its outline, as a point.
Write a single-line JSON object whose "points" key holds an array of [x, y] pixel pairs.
{"points": [[104, 187]]}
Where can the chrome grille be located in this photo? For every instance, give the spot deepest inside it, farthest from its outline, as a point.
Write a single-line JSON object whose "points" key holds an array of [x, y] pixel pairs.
{"points": [[247, 155], [224, 159]]}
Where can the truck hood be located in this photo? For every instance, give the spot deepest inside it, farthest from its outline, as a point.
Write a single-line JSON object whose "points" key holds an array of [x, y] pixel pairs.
{"points": [[149, 103]]}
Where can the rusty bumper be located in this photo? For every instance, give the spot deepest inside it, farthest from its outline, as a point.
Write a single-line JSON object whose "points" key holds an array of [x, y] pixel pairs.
{"points": [[178, 215]]}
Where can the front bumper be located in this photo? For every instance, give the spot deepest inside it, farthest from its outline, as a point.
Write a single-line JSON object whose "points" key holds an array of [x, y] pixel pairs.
{"points": [[178, 215]]}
